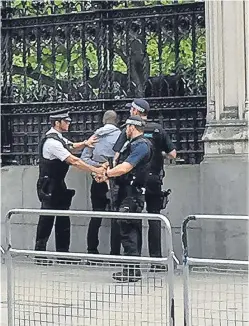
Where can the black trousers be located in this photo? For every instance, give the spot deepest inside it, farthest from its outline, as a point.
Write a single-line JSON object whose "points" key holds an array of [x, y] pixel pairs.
{"points": [[131, 201], [99, 203], [153, 205], [62, 226]]}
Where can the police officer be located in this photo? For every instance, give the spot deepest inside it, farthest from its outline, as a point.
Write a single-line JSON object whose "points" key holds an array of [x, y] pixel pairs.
{"points": [[107, 137], [55, 156], [153, 196], [131, 173]]}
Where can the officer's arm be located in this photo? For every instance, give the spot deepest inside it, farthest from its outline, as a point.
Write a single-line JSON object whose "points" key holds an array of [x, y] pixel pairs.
{"points": [[90, 142], [115, 158], [118, 145], [55, 148], [119, 170], [172, 154], [168, 147], [137, 154], [79, 164]]}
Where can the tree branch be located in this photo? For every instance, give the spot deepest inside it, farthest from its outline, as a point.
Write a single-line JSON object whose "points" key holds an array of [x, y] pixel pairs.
{"points": [[62, 86]]}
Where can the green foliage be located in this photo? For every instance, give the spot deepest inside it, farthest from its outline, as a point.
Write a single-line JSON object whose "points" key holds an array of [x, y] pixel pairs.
{"points": [[119, 64], [63, 63], [91, 55]]}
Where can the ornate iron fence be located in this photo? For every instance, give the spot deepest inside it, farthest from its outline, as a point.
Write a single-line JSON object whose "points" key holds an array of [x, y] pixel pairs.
{"points": [[183, 118], [94, 54]]}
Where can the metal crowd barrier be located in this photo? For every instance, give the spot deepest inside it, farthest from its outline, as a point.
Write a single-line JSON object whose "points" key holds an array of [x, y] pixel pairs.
{"points": [[80, 292], [215, 291]]}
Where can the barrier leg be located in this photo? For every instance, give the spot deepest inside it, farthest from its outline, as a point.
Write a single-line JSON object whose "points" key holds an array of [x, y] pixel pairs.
{"points": [[171, 289], [186, 291]]}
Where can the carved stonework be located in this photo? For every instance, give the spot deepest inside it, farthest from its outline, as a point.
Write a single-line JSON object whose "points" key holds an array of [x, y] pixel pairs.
{"points": [[226, 137], [246, 116], [211, 111], [230, 112]]}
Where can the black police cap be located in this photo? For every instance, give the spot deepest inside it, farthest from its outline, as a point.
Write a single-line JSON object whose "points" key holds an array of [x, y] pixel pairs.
{"points": [[140, 104], [60, 116]]}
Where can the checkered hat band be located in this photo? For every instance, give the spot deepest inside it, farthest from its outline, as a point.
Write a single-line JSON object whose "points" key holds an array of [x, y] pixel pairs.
{"points": [[135, 106], [134, 122]]}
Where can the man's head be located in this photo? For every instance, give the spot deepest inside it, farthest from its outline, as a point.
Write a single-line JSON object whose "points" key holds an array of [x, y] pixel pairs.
{"points": [[110, 117], [139, 107], [60, 121], [134, 126]]}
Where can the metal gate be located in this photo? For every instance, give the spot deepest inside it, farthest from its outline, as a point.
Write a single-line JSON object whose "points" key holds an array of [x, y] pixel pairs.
{"points": [[80, 290], [215, 291], [91, 56]]}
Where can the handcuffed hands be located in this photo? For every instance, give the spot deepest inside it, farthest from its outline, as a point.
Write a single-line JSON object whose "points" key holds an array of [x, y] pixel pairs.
{"points": [[101, 175]]}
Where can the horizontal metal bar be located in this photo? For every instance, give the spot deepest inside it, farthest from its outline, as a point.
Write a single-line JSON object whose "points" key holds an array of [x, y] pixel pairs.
{"points": [[40, 114], [90, 256], [109, 14], [86, 214], [221, 217], [109, 101], [36, 153], [200, 261], [116, 215]]}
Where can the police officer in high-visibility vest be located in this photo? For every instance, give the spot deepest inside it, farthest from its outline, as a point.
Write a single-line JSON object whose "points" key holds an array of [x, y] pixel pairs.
{"points": [[131, 174], [154, 195], [55, 157]]}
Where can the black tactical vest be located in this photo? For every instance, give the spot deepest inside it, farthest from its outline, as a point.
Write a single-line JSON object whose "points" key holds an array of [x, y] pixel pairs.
{"points": [[153, 132], [54, 169], [139, 174]]}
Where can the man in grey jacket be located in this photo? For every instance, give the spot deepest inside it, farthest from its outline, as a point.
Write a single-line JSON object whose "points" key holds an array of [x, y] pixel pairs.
{"points": [[107, 137]]}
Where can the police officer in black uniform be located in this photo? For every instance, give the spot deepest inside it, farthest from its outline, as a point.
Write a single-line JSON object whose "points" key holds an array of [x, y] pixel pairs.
{"points": [[154, 195], [131, 174], [55, 156]]}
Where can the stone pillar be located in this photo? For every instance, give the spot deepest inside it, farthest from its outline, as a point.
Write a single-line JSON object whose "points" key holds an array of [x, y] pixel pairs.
{"points": [[227, 77], [247, 57], [224, 170]]}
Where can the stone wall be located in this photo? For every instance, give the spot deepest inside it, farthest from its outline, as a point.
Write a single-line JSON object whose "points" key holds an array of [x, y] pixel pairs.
{"points": [[218, 187]]}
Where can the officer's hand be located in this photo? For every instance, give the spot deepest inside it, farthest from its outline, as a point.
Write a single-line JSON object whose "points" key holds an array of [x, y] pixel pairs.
{"points": [[100, 171], [100, 178], [105, 165], [96, 177], [90, 142]]}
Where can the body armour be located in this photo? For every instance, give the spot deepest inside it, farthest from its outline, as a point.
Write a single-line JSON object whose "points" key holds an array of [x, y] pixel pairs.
{"points": [[53, 169], [139, 174], [153, 132]]}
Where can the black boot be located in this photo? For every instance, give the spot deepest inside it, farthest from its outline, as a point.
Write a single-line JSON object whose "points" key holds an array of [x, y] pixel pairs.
{"points": [[68, 261], [40, 245], [45, 261], [158, 268], [130, 273]]}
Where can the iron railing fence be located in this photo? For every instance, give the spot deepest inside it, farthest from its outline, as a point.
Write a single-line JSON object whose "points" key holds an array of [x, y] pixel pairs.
{"points": [[13, 8], [151, 51], [23, 125], [92, 56]]}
